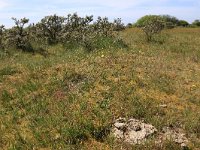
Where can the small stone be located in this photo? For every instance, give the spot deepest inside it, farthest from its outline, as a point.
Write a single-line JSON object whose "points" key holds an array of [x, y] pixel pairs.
{"points": [[163, 105]]}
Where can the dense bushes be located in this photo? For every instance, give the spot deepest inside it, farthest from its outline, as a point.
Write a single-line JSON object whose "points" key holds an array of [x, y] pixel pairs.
{"points": [[70, 30], [75, 31]]}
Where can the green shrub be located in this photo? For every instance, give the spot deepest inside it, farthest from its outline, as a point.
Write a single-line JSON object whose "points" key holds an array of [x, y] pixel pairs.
{"points": [[71, 31], [17, 36], [118, 25], [49, 28], [196, 23], [183, 23], [152, 26], [143, 20], [169, 25], [170, 20], [129, 25], [76, 29], [1, 36]]}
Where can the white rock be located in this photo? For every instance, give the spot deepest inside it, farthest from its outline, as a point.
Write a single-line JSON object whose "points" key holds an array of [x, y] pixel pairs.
{"points": [[133, 131]]}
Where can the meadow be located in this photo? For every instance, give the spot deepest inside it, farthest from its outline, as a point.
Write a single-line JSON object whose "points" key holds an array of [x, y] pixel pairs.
{"points": [[70, 98]]}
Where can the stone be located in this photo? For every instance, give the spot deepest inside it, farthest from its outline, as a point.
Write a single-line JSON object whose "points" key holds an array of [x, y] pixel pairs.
{"points": [[132, 131], [175, 134], [135, 131], [163, 106]]}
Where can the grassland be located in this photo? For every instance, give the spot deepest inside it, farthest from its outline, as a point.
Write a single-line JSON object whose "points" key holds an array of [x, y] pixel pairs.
{"points": [[69, 99]]}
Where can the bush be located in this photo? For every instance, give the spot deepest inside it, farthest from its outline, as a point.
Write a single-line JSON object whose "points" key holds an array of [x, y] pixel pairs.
{"points": [[76, 29], [169, 25], [1, 36], [103, 27], [129, 25], [118, 25], [142, 21], [183, 23], [17, 36], [152, 26], [196, 23], [71, 31], [49, 28], [169, 21], [173, 21]]}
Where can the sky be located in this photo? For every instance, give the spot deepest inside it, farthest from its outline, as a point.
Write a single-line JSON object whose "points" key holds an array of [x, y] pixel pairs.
{"points": [[128, 10]]}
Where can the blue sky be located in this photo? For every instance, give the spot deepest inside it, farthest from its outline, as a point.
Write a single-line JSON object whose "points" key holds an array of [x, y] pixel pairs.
{"points": [[128, 10]]}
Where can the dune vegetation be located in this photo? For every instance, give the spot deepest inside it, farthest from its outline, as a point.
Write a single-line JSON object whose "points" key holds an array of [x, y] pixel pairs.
{"points": [[66, 96]]}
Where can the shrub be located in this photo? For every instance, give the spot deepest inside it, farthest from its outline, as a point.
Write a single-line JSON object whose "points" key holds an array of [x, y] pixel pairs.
{"points": [[196, 23], [118, 25], [183, 23], [103, 27], [142, 21], [1, 36], [169, 25], [71, 31], [152, 26], [76, 29], [81, 31], [173, 21], [18, 36], [169, 21], [129, 25], [50, 28]]}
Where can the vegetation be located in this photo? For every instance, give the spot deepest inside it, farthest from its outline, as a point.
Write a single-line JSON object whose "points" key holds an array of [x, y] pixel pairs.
{"points": [[169, 21], [1, 36], [183, 23], [69, 99], [64, 30], [196, 23], [152, 26]]}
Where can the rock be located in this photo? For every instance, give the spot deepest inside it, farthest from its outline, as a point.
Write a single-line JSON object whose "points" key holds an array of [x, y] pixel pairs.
{"points": [[132, 131], [119, 134], [175, 134], [163, 106]]}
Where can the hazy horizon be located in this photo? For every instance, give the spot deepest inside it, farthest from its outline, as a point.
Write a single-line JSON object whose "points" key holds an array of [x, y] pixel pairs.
{"points": [[128, 10]]}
